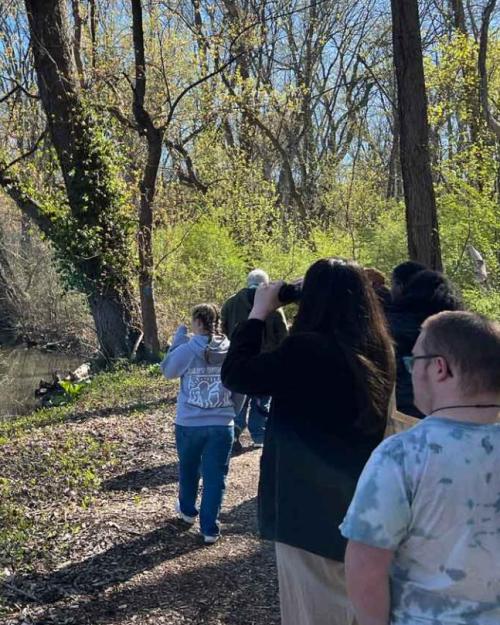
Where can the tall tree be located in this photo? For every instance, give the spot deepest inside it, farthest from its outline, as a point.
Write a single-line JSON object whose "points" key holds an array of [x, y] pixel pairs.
{"points": [[492, 121], [420, 201], [93, 237], [154, 140]]}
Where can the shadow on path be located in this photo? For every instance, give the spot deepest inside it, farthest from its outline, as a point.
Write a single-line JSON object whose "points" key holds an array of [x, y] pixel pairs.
{"points": [[115, 565], [240, 590], [152, 477]]}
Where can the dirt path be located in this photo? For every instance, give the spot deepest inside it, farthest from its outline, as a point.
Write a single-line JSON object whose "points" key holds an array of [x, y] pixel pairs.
{"points": [[133, 563]]}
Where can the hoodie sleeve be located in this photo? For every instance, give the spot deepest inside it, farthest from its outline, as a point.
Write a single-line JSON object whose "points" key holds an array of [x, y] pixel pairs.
{"points": [[179, 356]]}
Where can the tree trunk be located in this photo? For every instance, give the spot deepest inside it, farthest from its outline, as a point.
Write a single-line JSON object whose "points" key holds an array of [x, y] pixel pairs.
{"points": [[145, 246], [421, 214], [113, 317], [394, 179], [457, 9], [93, 244], [490, 118], [154, 139]]}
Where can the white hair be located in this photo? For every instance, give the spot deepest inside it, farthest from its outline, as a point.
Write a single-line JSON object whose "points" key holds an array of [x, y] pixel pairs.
{"points": [[256, 277]]}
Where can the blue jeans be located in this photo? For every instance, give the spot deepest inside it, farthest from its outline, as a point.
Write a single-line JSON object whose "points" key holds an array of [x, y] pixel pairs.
{"points": [[203, 452], [256, 408]]}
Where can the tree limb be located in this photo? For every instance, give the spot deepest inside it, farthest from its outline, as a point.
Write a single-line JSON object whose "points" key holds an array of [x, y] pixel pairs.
{"points": [[491, 120], [31, 151], [199, 82]]}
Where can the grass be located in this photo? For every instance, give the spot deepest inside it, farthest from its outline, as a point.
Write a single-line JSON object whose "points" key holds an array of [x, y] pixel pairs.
{"points": [[124, 384], [46, 466]]}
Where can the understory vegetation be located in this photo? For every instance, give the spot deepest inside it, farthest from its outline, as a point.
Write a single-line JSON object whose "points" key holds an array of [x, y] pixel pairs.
{"points": [[48, 469]]}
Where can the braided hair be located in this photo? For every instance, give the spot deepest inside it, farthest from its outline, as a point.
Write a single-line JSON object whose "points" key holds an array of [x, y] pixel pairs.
{"points": [[209, 316]]}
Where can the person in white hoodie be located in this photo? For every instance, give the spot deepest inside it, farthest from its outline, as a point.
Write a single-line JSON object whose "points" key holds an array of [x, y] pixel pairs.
{"points": [[204, 425]]}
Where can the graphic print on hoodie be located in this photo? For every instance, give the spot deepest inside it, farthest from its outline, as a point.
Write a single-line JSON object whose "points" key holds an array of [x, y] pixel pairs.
{"points": [[202, 398], [206, 389]]}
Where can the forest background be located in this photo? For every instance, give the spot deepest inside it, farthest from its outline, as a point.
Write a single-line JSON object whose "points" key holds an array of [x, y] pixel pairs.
{"points": [[181, 143]]}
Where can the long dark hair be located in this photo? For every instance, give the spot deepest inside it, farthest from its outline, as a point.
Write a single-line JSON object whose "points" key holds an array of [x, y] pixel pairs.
{"points": [[339, 302]]}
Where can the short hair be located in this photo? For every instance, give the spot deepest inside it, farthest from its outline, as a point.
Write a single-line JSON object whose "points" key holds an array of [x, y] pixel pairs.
{"points": [[404, 272], [430, 292], [469, 342], [256, 277]]}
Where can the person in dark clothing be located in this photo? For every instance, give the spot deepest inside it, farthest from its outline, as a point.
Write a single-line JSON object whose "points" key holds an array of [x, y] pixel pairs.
{"points": [[426, 294], [330, 382], [402, 274], [255, 410]]}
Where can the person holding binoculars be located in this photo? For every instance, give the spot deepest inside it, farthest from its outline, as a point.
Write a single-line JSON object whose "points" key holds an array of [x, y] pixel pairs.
{"points": [[331, 382]]}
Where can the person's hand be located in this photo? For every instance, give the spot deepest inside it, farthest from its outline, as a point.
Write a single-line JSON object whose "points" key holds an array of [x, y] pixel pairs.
{"points": [[266, 300], [183, 330]]}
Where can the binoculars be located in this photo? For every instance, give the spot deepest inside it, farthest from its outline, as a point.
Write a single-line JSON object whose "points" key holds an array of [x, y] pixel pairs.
{"points": [[290, 293]]}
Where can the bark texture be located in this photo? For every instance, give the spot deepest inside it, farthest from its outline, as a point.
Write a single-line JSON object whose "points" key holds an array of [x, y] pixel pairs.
{"points": [[420, 202]]}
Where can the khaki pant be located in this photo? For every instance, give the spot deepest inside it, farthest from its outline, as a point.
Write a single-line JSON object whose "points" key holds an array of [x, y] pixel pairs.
{"points": [[312, 589]]}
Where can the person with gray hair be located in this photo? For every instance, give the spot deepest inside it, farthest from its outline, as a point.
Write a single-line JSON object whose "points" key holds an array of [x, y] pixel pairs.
{"points": [[236, 309], [257, 277]]}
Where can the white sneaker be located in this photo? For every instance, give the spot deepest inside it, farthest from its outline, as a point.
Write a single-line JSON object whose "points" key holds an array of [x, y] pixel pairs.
{"points": [[182, 516], [210, 540]]}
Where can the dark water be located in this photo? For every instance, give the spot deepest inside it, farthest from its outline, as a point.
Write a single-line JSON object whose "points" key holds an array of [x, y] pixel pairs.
{"points": [[21, 370]]}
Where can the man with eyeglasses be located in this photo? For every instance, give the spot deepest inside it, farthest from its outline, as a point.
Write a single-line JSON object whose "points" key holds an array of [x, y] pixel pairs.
{"points": [[424, 524]]}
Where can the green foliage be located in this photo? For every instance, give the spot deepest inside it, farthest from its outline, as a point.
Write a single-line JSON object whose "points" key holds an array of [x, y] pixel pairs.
{"points": [[92, 219], [483, 301], [64, 470], [15, 525], [71, 391], [51, 466], [118, 387], [154, 370], [200, 263]]}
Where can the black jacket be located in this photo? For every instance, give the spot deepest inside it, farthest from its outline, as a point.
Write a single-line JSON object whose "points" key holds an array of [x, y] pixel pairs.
{"points": [[313, 453], [405, 328], [238, 307]]}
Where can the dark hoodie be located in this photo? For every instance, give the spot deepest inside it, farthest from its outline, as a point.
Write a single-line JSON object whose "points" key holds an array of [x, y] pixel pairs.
{"points": [[427, 293], [238, 307]]}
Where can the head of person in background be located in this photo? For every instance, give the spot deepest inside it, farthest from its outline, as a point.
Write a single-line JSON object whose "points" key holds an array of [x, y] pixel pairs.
{"points": [[338, 302], [257, 277], [456, 361], [402, 274], [428, 293], [378, 282]]}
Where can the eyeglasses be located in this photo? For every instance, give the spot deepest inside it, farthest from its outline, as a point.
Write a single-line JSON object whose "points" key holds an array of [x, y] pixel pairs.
{"points": [[409, 361]]}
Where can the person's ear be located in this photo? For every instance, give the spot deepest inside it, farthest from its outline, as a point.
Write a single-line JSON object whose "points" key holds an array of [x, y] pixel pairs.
{"points": [[442, 369]]}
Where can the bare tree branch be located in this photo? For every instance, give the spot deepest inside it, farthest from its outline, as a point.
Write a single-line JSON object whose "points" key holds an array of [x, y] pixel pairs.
{"points": [[31, 151]]}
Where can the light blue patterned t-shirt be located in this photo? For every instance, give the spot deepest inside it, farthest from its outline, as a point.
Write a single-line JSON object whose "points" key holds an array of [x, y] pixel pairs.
{"points": [[432, 495]]}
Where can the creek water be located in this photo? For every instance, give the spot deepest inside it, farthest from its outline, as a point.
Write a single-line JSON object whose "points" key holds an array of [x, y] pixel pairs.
{"points": [[21, 370]]}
